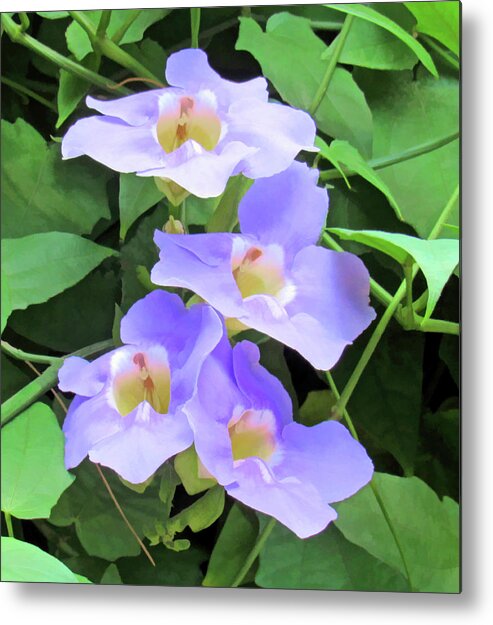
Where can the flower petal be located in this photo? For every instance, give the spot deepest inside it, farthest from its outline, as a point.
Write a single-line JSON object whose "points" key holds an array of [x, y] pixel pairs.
{"points": [[190, 70], [80, 376], [144, 444], [287, 208], [203, 173], [296, 505], [136, 109], [326, 456], [114, 143], [278, 131], [88, 421]]}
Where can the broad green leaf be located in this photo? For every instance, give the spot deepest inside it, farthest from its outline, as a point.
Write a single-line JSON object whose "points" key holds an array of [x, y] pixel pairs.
{"points": [[449, 353], [201, 514], [426, 527], [23, 562], [342, 154], [426, 110], [33, 471], [316, 407], [99, 526], [80, 316], [137, 195], [369, 45], [290, 56], [41, 193], [6, 300], [72, 89], [172, 568], [187, 467], [200, 210], [232, 547], [326, 561], [438, 19], [386, 405], [151, 55], [437, 259], [78, 40], [225, 215], [111, 576], [371, 15], [40, 266]]}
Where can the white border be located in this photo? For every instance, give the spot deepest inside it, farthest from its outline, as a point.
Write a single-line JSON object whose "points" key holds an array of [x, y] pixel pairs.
{"points": [[53, 604]]}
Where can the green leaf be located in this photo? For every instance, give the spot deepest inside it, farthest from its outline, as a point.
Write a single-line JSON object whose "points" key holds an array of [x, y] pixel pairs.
{"points": [[316, 407], [41, 193], [72, 89], [187, 467], [369, 45], [14, 376], [326, 561], [201, 514], [53, 15], [137, 195], [99, 526], [371, 15], [80, 316], [225, 215], [441, 20], [172, 568], [422, 185], [33, 472], [40, 266], [6, 299], [427, 530], [386, 405], [437, 259], [290, 56], [235, 541], [23, 562], [111, 576], [78, 40], [341, 153]]}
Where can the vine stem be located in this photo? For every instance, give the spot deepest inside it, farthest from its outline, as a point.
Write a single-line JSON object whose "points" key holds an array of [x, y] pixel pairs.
{"points": [[394, 159], [331, 66], [448, 58], [195, 26], [19, 354], [15, 33], [8, 523], [29, 93], [252, 556]]}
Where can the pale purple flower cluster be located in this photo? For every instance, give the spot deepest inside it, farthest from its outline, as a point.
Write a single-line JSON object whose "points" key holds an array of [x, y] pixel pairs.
{"points": [[177, 381]]}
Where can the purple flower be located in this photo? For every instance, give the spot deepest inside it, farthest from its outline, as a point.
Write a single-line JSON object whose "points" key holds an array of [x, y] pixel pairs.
{"points": [[249, 442], [273, 277], [128, 410], [196, 133]]}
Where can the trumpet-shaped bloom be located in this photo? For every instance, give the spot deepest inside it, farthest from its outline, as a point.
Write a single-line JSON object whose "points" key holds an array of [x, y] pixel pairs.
{"points": [[249, 442], [128, 410], [272, 277], [196, 133]]}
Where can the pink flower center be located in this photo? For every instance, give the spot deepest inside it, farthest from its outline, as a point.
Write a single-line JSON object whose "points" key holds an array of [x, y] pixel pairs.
{"points": [[188, 119], [145, 379], [253, 434]]}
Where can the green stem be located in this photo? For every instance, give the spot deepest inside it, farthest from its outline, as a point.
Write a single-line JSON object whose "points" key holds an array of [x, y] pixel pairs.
{"points": [[183, 214], [19, 354], [24, 20], [15, 33], [29, 93], [47, 380], [252, 556], [420, 303], [448, 58], [8, 523], [319, 25], [331, 66], [408, 277], [118, 36], [440, 326], [110, 49], [195, 26], [345, 413], [394, 159], [103, 23], [444, 215]]}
